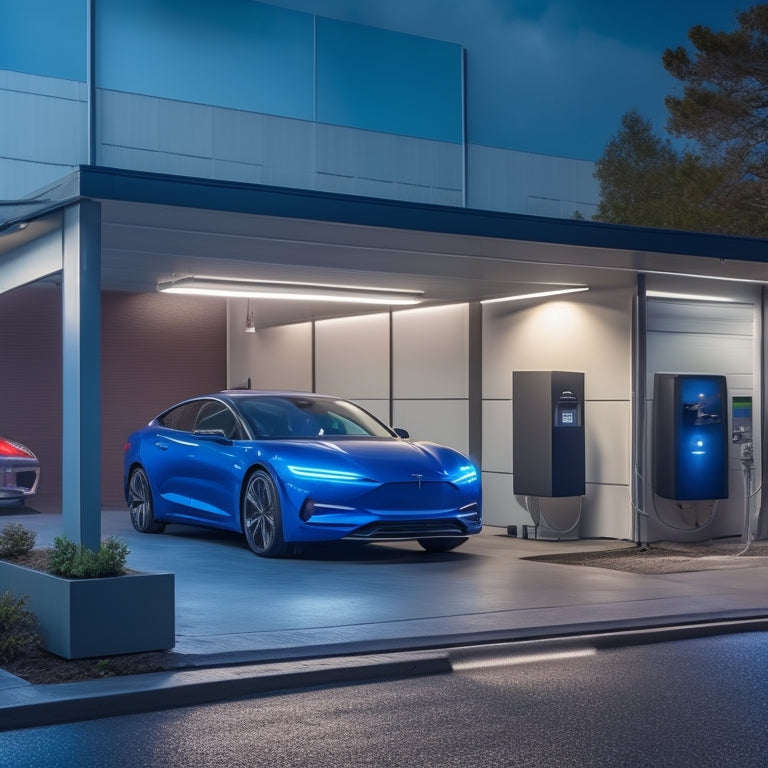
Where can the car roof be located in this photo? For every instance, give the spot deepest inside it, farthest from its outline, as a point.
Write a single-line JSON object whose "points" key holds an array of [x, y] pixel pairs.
{"points": [[267, 393]]}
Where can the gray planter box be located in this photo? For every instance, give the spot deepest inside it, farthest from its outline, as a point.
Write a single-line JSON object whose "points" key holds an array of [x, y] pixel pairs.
{"points": [[84, 618]]}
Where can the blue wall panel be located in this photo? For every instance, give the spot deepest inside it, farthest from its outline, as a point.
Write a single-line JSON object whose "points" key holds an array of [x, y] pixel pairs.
{"points": [[386, 81], [44, 37], [237, 53]]}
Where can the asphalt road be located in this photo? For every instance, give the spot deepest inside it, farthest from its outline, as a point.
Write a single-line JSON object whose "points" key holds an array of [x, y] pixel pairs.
{"points": [[696, 702]]}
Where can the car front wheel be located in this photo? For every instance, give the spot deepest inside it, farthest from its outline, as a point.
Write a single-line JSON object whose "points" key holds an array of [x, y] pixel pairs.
{"points": [[442, 545], [140, 503], [262, 521]]}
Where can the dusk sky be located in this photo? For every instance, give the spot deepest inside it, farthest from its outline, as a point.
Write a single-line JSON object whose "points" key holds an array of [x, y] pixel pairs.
{"points": [[549, 76]]}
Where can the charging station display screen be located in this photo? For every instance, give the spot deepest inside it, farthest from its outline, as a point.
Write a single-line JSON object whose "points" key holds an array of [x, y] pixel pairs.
{"points": [[568, 410], [702, 402], [742, 408], [701, 450]]}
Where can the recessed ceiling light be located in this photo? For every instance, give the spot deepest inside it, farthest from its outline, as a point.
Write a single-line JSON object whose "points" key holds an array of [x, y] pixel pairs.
{"points": [[268, 289], [688, 296], [537, 295]]}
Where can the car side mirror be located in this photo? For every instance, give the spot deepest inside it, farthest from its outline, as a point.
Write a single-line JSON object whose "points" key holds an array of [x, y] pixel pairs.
{"points": [[217, 435], [400, 432]]}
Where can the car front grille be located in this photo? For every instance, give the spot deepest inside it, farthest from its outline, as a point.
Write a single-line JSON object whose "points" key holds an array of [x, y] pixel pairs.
{"points": [[415, 496], [391, 530]]}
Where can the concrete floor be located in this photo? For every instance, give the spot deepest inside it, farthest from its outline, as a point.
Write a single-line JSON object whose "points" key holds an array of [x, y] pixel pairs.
{"points": [[349, 597]]}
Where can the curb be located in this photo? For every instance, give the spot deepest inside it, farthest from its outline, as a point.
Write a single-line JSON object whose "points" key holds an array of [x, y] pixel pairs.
{"points": [[37, 705], [27, 706]]}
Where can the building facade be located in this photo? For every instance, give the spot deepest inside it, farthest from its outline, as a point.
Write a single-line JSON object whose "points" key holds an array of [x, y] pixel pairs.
{"points": [[156, 139]]}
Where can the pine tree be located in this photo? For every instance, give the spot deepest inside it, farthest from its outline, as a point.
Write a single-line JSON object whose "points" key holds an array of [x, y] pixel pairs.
{"points": [[719, 183]]}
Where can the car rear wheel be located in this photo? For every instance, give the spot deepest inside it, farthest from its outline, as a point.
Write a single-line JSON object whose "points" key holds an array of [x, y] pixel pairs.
{"points": [[442, 545], [262, 520], [140, 503]]}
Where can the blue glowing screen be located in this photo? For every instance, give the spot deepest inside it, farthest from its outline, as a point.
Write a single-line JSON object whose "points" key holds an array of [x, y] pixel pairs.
{"points": [[701, 445]]}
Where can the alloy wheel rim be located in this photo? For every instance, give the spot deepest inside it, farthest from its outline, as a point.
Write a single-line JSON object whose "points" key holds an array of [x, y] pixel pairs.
{"points": [[260, 513], [139, 498]]}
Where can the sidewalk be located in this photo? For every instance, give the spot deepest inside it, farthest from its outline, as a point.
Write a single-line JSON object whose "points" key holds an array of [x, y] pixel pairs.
{"points": [[354, 612]]}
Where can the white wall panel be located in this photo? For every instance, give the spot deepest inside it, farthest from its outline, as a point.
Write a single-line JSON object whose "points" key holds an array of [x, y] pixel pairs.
{"points": [[161, 135], [238, 136], [45, 129], [374, 187], [352, 357], [500, 505], [431, 352], [497, 435], [441, 421], [22, 82], [155, 162], [448, 166], [589, 332], [281, 358], [700, 318], [289, 152], [412, 192], [524, 182], [379, 408], [47, 137], [376, 155], [336, 149], [606, 512], [386, 165], [608, 442], [19, 178], [245, 172], [328, 182], [543, 206], [186, 129], [688, 353], [442, 196], [127, 120]]}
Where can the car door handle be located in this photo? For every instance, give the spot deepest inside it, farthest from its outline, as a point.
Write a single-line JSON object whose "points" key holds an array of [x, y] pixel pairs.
{"points": [[161, 446]]}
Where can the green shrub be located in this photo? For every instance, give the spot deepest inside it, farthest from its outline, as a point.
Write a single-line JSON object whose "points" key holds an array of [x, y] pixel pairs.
{"points": [[16, 540], [76, 562], [18, 628]]}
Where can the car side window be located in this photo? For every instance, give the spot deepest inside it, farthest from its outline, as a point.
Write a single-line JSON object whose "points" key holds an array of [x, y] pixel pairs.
{"points": [[182, 417], [215, 415]]}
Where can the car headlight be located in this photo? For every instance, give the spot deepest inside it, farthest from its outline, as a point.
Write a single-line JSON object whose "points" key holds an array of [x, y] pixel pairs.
{"points": [[464, 475], [329, 475]]}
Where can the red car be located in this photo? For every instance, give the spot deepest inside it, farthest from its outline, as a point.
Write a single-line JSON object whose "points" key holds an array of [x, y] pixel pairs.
{"points": [[19, 472]]}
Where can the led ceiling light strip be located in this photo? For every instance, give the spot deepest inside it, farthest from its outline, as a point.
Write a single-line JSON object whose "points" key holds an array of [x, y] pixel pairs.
{"points": [[537, 295], [268, 289], [688, 296]]}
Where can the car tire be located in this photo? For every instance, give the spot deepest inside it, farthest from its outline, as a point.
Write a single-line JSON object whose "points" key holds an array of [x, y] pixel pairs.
{"points": [[442, 545], [140, 503], [261, 516]]}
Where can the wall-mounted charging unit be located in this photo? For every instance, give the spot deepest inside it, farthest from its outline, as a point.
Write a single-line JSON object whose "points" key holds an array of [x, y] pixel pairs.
{"points": [[741, 424], [741, 435], [548, 450], [690, 437]]}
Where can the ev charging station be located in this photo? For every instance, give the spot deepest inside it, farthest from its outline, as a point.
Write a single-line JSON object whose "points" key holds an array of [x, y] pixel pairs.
{"points": [[548, 449], [690, 446], [690, 449]]}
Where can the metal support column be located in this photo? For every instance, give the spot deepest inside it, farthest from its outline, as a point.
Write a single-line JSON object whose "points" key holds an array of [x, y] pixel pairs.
{"points": [[81, 347], [639, 438]]}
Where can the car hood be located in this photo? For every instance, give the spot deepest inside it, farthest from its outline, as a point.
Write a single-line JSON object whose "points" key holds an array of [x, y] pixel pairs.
{"points": [[397, 460]]}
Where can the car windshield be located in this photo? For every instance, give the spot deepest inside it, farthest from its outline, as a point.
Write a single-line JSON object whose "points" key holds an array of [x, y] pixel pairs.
{"points": [[281, 417]]}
